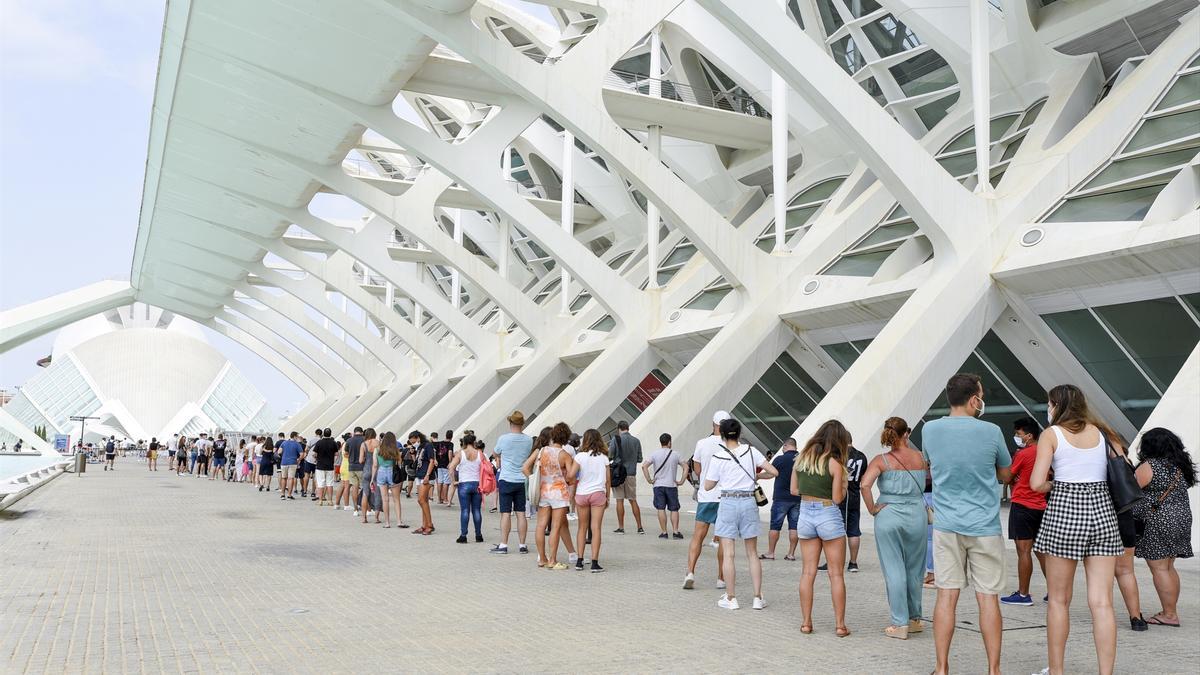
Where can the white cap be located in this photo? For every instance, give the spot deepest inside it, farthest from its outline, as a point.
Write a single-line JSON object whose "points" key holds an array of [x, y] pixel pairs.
{"points": [[721, 416]]}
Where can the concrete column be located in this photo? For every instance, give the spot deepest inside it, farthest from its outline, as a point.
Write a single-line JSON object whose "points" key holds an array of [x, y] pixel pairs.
{"points": [[505, 236], [389, 299], [455, 281], [779, 158], [654, 145], [981, 93], [568, 211]]}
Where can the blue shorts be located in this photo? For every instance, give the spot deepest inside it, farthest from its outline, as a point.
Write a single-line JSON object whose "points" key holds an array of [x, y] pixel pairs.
{"points": [[512, 496], [781, 510], [706, 512], [443, 476], [666, 498], [818, 521], [218, 461], [384, 479], [737, 518]]}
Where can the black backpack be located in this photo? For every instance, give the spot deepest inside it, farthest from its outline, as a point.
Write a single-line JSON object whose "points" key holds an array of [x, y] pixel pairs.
{"points": [[615, 467]]}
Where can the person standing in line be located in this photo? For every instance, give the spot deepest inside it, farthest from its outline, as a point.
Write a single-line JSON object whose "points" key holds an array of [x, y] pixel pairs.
{"points": [[191, 465], [900, 519], [170, 452], [352, 479], [204, 448], [856, 463], [735, 472], [308, 487], [436, 442], [1166, 472], [626, 449], [1025, 510], [326, 451], [386, 457], [372, 500], [819, 480], [110, 454], [784, 505], [553, 465], [662, 472], [266, 463], [511, 450], [572, 447], [426, 472], [218, 456], [594, 485], [968, 460], [290, 452], [152, 455], [706, 502], [466, 468], [1080, 523], [445, 452]]}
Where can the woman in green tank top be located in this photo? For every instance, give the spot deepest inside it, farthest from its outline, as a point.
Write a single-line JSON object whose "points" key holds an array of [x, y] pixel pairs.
{"points": [[819, 479]]}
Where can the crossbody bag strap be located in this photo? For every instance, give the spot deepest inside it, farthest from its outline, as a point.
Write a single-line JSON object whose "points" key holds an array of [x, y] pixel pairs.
{"points": [[1171, 487], [749, 451], [666, 460], [920, 488]]}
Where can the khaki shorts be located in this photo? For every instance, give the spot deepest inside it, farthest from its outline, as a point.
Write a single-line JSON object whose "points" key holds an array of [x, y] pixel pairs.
{"points": [[958, 559], [288, 471], [627, 489], [355, 478]]}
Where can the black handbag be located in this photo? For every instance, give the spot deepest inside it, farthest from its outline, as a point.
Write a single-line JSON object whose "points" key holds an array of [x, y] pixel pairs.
{"points": [[616, 467], [1123, 487]]}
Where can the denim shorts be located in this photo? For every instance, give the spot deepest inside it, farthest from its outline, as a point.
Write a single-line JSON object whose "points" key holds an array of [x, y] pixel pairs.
{"points": [[666, 498], [781, 510], [512, 496], [818, 521], [737, 518], [384, 479], [706, 512]]}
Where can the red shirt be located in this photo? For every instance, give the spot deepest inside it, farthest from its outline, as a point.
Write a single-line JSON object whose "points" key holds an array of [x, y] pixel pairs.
{"points": [[1022, 467]]}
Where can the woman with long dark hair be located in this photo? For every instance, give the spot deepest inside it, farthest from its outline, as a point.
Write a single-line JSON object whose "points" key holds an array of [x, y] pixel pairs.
{"points": [[1080, 522], [1166, 472], [465, 470], [592, 492], [819, 479], [386, 457], [266, 464], [426, 470]]}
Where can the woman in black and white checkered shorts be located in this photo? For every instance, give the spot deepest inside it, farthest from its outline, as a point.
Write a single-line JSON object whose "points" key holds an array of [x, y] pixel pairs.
{"points": [[1080, 523]]}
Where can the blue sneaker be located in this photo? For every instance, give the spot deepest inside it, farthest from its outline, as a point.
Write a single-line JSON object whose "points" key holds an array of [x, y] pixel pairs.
{"points": [[1017, 599]]}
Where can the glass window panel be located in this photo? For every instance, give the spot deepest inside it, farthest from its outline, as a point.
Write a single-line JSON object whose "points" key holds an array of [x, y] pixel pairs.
{"points": [[679, 255], [872, 88], [1185, 90], [1011, 150], [847, 55], [789, 366], [829, 16], [924, 73], [1193, 299], [958, 165], [793, 9], [606, 324], [755, 427], [797, 217], [933, 112], [766, 242], [619, 260], [1031, 114], [819, 192], [787, 392], [999, 126], [887, 233], [1158, 333], [1024, 384], [1137, 166], [580, 301], [859, 264], [1164, 129], [890, 36], [1114, 206], [1103, 359], [961, 142], [860, 8], [708, 299], [898, 212], [843, 353]]}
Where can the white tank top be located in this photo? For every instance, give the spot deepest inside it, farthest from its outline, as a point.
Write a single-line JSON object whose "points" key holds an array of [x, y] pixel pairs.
{"points": [[468, 471], [1079, 465]]}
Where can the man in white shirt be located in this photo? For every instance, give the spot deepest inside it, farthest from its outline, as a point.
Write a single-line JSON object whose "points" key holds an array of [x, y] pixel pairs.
{"points": [[706, 506], [662, 471]]}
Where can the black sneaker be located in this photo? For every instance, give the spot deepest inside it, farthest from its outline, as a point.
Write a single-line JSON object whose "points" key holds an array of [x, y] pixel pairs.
{"points": [[478, 538], [547, 530], [523, 549], [641, 531], [619, 530], [461, 540], [596, 568], [1138, 623], [664, 535], [502, 550], [291, 496], [852, 567], [824, 567], [579, 565], [677, 535], [283, 496]]}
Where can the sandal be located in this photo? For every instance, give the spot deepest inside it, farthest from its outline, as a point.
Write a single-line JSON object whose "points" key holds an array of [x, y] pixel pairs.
{"points": [[898, 632], [806, 628], [419, 530], [403, 526], [842, 631], [915, 626], [1156, 620], [764, 556], [791, 558]]}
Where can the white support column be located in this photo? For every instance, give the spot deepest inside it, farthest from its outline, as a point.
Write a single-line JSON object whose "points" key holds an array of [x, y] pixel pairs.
{"points": [[568, 211], [981, 94], [389, 299], [779, 158], [455, 280], [654, 145], [505, 238]]}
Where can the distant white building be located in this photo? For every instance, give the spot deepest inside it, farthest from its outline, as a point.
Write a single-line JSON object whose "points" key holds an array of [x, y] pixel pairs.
{"points": [[142, 372]]}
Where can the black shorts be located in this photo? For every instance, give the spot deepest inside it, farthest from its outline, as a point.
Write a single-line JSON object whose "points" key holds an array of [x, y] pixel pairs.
{"points": [[1024, 522], [850, 513], [666, 498]]}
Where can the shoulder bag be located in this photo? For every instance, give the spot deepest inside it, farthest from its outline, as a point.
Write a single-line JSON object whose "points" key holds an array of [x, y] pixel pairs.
{"points": [[760, 497], [1123, 487], [616, 467]]}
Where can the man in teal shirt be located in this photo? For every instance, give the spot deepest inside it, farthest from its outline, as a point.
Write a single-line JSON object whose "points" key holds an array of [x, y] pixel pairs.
{"points": [[513, 449], [969, 461]]}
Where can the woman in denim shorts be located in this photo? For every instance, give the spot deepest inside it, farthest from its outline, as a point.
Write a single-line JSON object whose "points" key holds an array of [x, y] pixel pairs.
{"points": [[735, 470], [819, 479]]}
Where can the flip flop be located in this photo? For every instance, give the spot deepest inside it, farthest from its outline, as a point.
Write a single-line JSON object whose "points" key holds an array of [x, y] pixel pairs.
{"points": [[807, 629], [763, 556], [790, 557], [1155, 621]]}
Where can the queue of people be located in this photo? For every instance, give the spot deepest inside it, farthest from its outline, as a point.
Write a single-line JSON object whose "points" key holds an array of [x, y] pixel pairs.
{"points": [[936, 509]]}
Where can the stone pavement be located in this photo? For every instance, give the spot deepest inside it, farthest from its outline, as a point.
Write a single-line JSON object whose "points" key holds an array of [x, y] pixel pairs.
{"points": [[138, 572]]}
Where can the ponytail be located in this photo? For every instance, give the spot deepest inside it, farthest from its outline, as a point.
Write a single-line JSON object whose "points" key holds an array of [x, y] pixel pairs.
{"points": [[894, 429]]}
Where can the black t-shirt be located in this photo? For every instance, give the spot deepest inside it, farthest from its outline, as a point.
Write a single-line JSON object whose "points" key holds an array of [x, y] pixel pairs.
{"points": [[353, 446], [326, 450], [856, 464], [154, 446], [426, 454], [219, 448], [444, 450]]}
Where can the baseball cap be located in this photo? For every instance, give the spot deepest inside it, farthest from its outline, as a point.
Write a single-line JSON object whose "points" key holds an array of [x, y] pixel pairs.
{"points": [[721, 416]]}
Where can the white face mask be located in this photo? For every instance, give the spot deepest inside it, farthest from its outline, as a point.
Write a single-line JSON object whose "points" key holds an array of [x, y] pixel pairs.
{"points": [[982, 407], [1020, 443], [1049, 415]]}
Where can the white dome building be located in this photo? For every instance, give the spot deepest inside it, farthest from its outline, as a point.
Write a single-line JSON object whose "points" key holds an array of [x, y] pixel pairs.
{"points": [[143, 372]]}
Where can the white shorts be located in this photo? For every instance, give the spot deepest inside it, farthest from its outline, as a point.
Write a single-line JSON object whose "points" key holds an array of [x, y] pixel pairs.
{"points": [[324, 479], [553, 503]]}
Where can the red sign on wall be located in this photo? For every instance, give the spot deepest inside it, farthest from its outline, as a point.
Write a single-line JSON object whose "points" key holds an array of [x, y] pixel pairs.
{"points": [[646, 391]]}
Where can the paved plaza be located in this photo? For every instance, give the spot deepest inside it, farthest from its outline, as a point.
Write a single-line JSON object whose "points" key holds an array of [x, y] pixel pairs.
{"points": [[138, 572]]}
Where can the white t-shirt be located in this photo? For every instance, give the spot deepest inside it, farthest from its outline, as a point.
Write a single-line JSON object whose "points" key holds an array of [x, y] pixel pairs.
{"points": [[725, 470], [664, 466], [593, 473], [705, 447]]}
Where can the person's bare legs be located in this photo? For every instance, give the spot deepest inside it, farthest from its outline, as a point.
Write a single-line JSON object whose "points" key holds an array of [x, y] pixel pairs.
{"points": [[699, 536], [835, 555], [793, 542], [855, 543], [1127, 582], [1025, 564], [755, 565], [620, 514], [543, 514], [637, 512], [662, 521], [674, 521], [505, 527], [597, 522], [727, 567], [522, 527], [423, 501], [557, 518], [943, 627], [1060, 581], [1166, 584], [564, 532], [584, 514], [810, 552], [394, 493], [772, 540], [1099, 571], [386, 498], [991, 625]]}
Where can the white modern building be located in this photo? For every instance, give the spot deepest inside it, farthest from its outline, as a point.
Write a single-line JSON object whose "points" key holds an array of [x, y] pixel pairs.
{"points": [[427, 213]]}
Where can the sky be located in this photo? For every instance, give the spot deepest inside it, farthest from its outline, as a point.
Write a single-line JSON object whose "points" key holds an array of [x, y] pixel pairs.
{"points": [[76, 84]]}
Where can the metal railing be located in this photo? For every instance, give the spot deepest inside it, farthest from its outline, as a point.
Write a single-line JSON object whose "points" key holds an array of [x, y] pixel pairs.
{"points": [[675, 91]]}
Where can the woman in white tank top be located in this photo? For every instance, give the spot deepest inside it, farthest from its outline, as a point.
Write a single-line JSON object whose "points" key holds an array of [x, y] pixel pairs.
{"points": [[464, 472], [1080, 523]]}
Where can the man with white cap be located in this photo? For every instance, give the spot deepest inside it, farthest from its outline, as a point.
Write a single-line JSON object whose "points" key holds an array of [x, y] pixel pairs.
{"points": [[706, 506]]}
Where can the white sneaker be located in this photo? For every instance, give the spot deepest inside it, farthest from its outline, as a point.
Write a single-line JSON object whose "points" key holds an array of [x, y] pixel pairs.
{"points": [[1043, 671], [572, 517], [759, 603], [720, 584], [727, 602], [689, 581], [572, 558], [356, 512], [714, 544]]}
